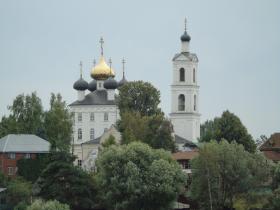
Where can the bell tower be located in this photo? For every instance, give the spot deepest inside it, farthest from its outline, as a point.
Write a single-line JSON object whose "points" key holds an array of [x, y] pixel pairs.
{"points": [[184, 114]]}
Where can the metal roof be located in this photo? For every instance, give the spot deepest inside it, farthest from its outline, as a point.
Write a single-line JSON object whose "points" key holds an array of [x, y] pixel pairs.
{"points": [[181, 140], [97, 97], [26, 143]]}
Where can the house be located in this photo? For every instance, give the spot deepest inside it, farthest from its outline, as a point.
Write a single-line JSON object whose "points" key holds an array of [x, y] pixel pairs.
{"points": [[184, 158], [14, 147], [271, 147]]}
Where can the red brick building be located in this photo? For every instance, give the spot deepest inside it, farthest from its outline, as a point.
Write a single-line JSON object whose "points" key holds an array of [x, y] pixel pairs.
{"points": [[271, 148], [15, 147]]}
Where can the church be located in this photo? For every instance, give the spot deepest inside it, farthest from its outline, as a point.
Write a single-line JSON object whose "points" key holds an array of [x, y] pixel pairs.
{"points": [[95, 111]]}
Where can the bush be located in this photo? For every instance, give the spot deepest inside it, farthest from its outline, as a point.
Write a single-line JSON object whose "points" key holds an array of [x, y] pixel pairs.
{"points": [[48, 205]]}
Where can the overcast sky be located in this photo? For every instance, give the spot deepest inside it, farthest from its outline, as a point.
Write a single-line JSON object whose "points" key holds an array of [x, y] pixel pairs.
{"points": [[237, 43]]}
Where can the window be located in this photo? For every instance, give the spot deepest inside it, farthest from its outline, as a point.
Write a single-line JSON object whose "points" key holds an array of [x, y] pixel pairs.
{"points": [[194, 103], [27, 156], [79, 163], [92, 134], [181, 102], [182, 74], [193, 75], [80, 134], [12, 155], [91, 116], [11, 171], [80, 117], [105, 129], [105, 116]]}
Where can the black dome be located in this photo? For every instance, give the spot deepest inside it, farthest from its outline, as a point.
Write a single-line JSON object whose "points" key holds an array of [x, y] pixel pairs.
{"points": [[110, 83], [80, 84], [185, 37], [92, 85], [122, 82]]}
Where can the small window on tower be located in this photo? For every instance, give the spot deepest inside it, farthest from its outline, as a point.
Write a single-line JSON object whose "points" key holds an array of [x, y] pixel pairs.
{"points": [[194, 104], [181, 102], [182, 74], [193, 75], [80, 117]]}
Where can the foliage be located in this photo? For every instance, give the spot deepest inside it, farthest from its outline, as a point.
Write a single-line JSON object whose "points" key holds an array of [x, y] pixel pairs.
{"points": [[224, 170], [35, 165], [58, 124], [153, 130], [138, 177], [21, 206], [228, 127], [273, 201], [276, 177], [62, 181], [26, 116], [48, 205], [109, 141], [261, 140], [18, 190], [3, 180], [140, 97]]}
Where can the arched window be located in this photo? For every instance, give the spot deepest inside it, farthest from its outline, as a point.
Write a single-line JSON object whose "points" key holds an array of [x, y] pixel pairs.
{"points": [[194, 102], [80, 134], [92, 134], [181, 102], [182, 74], [91, 116], [193, 75]]}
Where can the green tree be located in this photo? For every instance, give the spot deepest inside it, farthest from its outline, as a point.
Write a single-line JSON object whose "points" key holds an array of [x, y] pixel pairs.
{"points": [[224, 170], [18, 191], [228, 127], [62, 181], [138, 177], [153, 130], [58, 124], [26, 116], [36, 165], [109, 141], [47, 205], [140, 97]]}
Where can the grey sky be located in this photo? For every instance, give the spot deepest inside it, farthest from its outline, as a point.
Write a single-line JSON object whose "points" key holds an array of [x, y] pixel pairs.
{"points": [[237, 43]]}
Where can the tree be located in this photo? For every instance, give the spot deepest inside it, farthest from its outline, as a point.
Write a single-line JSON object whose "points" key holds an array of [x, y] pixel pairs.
{"points": [[62, 181], [26, 116], [36, 165], [228, 127], [140, 97], [109, 141], [222, 171], [58, 124], [261, 140], [47, 205], [18, 191], [138, 177], [153, 130]]}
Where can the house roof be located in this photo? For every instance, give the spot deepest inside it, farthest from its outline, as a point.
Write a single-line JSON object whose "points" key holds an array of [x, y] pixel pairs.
{"points": [[25, 143], [273, 143], [181, 140], [97, 97], [272, 155], [94, 141], [188, 155]]}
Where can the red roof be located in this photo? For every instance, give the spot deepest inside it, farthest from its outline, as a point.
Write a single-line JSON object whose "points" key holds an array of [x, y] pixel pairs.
{"points": [[272, 155], [188, 155], [271, 147]]}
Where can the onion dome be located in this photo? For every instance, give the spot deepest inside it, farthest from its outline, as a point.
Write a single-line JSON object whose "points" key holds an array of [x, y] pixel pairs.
{"points": [[110, 83], [185, 37], [92, 85], [80, 84], [102, 71]]}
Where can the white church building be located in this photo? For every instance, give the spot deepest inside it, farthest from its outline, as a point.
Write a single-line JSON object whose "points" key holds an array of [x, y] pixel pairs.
{"points": [[95, 111]]}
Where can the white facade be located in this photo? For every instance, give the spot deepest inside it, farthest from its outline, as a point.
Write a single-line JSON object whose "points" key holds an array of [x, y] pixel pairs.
{"points": [[93, 121], [184, 114]]}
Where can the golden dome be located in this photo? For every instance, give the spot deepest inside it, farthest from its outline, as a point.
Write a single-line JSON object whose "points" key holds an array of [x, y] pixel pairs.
{"points": [[102, 71]]}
